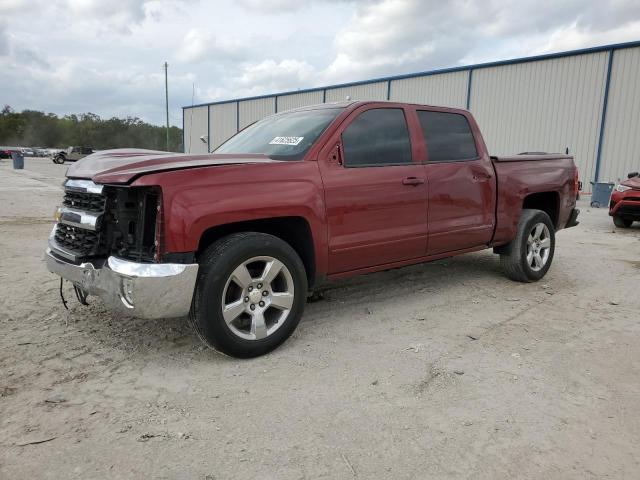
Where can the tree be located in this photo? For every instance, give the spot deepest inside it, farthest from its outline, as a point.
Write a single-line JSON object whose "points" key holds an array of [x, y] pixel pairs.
{"points": [[39, 129]]}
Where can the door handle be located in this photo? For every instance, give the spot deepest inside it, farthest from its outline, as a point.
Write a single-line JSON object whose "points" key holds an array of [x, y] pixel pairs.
{"points": [[480, 177], [415, 181]]}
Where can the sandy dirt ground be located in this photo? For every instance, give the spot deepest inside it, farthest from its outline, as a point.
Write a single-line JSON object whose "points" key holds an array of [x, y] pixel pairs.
{"points": [[444, 370]]}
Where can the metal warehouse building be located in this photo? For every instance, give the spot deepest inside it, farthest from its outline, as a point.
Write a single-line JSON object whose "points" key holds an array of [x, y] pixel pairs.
{"points": [[585, 100]]}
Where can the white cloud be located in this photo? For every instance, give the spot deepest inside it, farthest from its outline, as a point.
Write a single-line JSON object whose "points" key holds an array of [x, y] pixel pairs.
{"points": [[273, 6], [287, 73], [4, 39], [105, 15], [121, 16], [279, 7], [8, 7], [198, 46], [572, 37], [397, 36]]}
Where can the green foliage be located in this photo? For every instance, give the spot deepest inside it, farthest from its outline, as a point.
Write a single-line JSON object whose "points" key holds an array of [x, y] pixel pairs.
{"points": [[38, 129]]}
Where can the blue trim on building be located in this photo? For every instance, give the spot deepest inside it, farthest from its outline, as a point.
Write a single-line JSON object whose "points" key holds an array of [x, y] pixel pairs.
{"points": [[388, 89], [208, 128], [548, 56], [603, 120], [237, 116], [469, 80], [275, 103], [324, 95], [184, 144]]}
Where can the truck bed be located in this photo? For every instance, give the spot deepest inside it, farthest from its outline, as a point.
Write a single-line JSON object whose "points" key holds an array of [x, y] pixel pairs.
{"points": [[519, 176]]}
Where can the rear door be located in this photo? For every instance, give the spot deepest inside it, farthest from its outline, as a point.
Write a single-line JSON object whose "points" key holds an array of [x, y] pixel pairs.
{"points": [[461, 183], [375, 192]]}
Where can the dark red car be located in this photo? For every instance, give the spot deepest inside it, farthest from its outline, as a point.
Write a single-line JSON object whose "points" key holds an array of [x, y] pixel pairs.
{"points": [[237, 238], [5, 152], [624, 205]]}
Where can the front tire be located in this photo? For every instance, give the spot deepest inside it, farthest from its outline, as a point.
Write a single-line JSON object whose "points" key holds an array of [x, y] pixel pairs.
{"points": [[59, 159], [527, 257], [250, 294], [622, 222]]}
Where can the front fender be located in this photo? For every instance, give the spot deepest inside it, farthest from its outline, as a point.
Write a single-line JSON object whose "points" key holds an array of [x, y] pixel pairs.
{"points": [[195, 200]]}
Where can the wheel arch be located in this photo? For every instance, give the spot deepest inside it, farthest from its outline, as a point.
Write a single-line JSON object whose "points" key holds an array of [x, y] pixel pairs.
{"points": [[548, 202], [294, 230]]}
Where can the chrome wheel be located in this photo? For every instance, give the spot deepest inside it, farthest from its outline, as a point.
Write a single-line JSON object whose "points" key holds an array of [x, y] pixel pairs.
{"points": [[257, 298], [538, 247]]}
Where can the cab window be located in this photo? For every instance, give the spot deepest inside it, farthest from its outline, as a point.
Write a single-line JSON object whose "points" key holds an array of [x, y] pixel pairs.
{"points": [[448, 136], [377, 137]]}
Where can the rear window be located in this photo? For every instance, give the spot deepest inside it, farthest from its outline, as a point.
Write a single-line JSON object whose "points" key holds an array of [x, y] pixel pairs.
{"points": [[285, 136], [448, 136]]}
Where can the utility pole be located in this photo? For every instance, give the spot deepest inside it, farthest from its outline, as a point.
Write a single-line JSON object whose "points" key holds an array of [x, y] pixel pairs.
{"points": [[166, 97]]}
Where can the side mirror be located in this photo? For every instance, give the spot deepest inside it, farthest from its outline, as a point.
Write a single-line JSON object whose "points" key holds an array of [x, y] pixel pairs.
{"points": [[633, 174]]}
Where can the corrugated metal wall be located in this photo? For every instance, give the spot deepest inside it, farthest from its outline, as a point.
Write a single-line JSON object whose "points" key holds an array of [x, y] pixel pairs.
{"points": [[195, 126], [223, 122], [369, 91], [543, 106], [252, 110], [621, 143], [528, 105], [287, 102], [447, 89]]}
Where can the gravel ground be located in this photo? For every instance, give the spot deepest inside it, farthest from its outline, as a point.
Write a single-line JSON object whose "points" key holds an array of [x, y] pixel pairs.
{"points": [[442, 370]]}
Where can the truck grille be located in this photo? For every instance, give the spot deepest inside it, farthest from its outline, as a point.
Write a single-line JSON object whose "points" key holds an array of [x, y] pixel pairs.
{"points": [[79, 230], [88, 202], [82, 242]]}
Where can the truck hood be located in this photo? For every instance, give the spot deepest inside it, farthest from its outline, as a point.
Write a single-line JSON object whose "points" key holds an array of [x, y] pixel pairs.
{"points": [[124, 165], [632, 182]]}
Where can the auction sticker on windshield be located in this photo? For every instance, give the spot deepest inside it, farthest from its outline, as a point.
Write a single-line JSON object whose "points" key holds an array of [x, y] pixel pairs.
{"points": [[286, 141]]}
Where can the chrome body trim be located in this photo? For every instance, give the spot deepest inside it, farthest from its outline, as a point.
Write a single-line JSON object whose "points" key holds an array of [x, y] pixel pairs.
{"points": [[79, 218], [145, 290], [83, 185]]}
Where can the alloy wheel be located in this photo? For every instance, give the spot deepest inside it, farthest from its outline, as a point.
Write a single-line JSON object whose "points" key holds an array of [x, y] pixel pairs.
{"points": [[538, 247], [258, 297]]}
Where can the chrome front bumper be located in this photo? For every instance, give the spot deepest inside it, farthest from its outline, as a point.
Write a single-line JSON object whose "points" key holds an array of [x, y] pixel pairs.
{"points": [[145, 290]]}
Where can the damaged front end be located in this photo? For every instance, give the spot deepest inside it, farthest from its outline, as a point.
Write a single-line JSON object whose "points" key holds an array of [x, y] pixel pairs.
{"points": [[107, 242]]}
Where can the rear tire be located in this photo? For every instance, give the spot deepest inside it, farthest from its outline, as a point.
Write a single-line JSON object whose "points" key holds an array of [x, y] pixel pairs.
{"points": [[250, 294], [59, 159], [528, 256], [622, 222]]}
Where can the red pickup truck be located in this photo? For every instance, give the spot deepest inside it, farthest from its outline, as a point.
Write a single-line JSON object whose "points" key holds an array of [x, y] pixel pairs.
{"points": [[238, 238]]}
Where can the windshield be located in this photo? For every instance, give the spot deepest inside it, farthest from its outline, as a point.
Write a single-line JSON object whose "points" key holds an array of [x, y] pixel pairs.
{"points": [[286, 136]]}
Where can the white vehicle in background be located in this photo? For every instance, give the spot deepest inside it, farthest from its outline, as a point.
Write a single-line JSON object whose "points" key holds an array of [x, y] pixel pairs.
{"points": [[71, 154], [27, 152], [51, 152], [40, 151]]}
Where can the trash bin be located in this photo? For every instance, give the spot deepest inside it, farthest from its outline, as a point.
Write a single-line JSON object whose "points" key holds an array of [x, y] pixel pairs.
{"points": [[601, 193], [18, 160]]}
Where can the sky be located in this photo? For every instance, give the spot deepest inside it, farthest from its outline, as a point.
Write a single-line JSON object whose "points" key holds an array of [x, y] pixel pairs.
{"points": [[106, 57]]}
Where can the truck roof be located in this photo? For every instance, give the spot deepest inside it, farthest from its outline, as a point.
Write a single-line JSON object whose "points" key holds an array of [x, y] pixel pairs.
{"points": [[352, 104]]}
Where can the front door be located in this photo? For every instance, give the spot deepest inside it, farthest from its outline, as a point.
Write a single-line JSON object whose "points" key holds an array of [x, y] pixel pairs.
{"points": [[375, 194]]}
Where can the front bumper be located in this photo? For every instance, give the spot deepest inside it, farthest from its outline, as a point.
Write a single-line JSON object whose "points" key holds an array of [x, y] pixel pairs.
{"points": [[625, 204], [145, 290]]}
